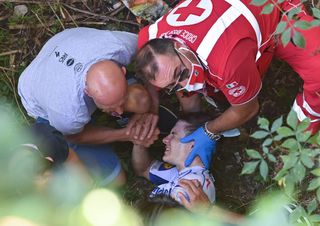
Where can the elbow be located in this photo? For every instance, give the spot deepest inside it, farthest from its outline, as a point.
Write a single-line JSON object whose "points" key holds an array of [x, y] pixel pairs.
{"points": [[254, 109]]}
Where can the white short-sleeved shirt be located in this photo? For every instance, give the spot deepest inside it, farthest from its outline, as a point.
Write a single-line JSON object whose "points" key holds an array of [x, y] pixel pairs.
{"points": [[52, 86], [167, 178]]}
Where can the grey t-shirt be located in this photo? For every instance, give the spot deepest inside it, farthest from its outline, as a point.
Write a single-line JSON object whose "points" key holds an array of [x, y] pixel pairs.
{"points": [[52, 86]]}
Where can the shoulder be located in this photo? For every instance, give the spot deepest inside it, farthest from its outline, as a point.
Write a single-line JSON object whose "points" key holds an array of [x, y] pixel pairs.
{"points": [[161, 172]]}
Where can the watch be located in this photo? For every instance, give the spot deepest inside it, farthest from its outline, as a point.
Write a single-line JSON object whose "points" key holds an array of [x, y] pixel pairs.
{"points": [[211, 135]]}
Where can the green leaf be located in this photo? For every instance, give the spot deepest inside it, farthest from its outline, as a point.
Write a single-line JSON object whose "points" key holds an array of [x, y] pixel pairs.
{"points": [[276, 124], [312, 206], [259, 134], [281, 27], [316, 172], [299, 172], [264, 170], [293, 12], [292, 119], [316, 13], [314, 184], [304, 136], [302, 126], [290, 144], [302, 24], [280, 1], [258, 2], [271, 158], [318, 138], [315, 218], [306, 160], [253, 154], [267, 142], [296, 214], [267, 9], [277, 137], [289, 161], [263, 123], [249, 167], [298, 39], [285, 131], [265, 149], [318, 194], [315, 23]]}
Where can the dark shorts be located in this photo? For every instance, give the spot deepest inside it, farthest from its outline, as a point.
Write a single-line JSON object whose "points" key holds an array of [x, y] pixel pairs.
{"points": [[101, 161]]}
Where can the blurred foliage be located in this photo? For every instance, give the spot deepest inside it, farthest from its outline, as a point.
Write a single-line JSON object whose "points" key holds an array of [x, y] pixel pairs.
{"points": [[68, 199], [290, 155]]}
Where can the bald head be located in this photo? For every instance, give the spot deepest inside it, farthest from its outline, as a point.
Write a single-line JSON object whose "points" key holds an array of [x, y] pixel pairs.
{"points": [[106, 83]]}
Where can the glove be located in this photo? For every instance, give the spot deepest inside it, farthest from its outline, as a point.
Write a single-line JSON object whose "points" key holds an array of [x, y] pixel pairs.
{"points": [[204, 147]]}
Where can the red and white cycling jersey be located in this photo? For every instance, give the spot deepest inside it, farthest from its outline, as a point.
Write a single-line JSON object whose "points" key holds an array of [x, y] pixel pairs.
{"points": [[228, 36]]}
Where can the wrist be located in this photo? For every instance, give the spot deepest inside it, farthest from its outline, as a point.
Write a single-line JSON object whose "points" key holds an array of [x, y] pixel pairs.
{"points": [[213, 136]]}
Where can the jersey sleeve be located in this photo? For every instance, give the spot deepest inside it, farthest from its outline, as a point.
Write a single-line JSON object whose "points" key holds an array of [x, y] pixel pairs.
{"points": [[241, 80], [161, 172]]}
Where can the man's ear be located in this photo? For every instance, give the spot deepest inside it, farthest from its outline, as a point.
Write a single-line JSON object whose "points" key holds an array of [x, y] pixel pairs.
{"points": [[124, 70]]}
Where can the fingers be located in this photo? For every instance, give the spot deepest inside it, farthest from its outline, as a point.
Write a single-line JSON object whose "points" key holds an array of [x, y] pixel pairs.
{"points": [[184, 201], [132, 123], [187, 139], [190, 158], [137, 129], [197, 196], [146, 126], [192, 186], [154, 122]]}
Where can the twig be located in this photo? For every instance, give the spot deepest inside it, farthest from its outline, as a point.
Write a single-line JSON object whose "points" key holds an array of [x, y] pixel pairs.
{"points": [[107, 18], [23, 1], [42, 23], [58, 18], [70, 16], [116, 11], [7, 69], [10, 52], [4, 17]]}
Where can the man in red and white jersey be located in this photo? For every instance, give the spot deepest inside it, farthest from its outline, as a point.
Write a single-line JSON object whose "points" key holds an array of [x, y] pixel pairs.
{"points": [[208, 46]]}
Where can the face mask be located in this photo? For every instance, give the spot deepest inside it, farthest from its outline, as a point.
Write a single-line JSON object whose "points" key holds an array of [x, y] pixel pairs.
{"points": [[196, 79]]}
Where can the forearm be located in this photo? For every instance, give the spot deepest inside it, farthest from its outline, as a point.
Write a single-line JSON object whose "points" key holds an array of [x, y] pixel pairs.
{"points": [[98, 135], [234, 116], [141, 160]]}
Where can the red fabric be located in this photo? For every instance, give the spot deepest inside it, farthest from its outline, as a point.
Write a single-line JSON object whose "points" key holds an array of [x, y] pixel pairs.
{"points": [[313, 101], [231, 62], [242, 80], [226, 60], [306, 62]]}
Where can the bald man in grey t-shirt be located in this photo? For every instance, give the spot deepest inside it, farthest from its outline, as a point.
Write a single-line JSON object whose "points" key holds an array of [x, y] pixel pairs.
{"points": [[77, 71]]}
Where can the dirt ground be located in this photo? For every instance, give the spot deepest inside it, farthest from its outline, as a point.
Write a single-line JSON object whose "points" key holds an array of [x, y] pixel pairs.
{"points": [[234, 192]]}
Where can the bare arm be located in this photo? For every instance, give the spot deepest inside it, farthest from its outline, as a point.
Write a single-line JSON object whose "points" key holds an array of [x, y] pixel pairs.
{"points": [[141, 161], [234, 116], [98, 135]]}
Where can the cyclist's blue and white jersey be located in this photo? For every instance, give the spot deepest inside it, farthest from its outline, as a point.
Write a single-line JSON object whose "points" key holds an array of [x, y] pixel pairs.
{"points": [[167, 178]]}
